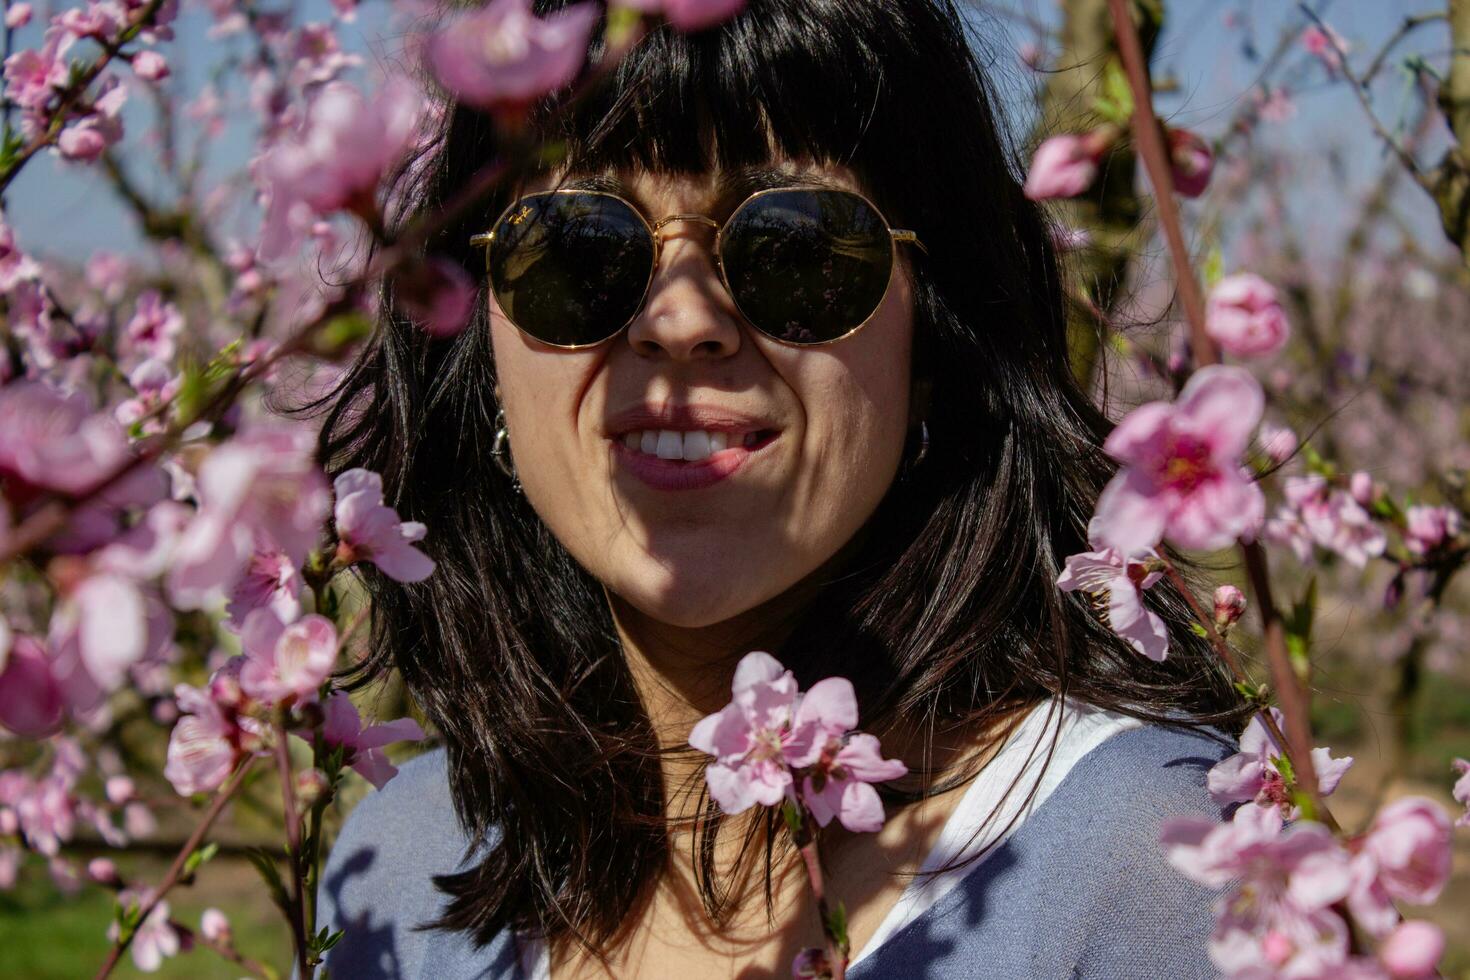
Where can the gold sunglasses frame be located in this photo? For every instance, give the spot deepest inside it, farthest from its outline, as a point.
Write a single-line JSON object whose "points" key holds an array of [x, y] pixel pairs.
{"points": [[655, 229]]}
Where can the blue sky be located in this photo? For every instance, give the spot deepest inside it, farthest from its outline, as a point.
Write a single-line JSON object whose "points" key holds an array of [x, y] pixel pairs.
{"points": [[68, 210]]}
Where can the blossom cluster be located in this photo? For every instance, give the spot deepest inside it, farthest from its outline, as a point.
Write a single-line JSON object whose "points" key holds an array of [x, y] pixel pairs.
{"points": [[773, 744]]}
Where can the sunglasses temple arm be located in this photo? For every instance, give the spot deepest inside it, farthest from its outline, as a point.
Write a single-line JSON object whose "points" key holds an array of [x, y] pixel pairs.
{"points": [[904, 235]]}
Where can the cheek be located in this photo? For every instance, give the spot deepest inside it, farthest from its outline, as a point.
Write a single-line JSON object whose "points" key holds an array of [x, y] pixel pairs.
{"points": [[855, 395], [540, 390]]}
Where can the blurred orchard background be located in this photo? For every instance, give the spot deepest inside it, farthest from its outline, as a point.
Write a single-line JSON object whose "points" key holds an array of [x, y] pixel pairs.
{"points": [[1325, 127]]}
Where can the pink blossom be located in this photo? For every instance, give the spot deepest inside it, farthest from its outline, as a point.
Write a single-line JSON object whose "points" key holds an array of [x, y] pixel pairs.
{"points": [[1430, 527], [1191, 162], [1333, 519], [337, 158], [53, 441], [1244, 316], [201, 750], [810, 964], [1064, 166], [104, 626], [33, 76], [1461, 792], [107, 272], [214, 733], [155, 938], [1405, 856], [1363, 489], [99, 128], [31, 703], [838, 781], [1277, 442], [1327, 46], [270, 581], [1181, 476], [103, 871], [261, 486], [15, 265], [1252, 774], [282, 661], [438, 294], [214, 926], [1229, 606], [770, 729], [150, 66], [1274, 104], [1412, 950], [343, 727], [1277, 911], [18, 15], [1105, 574], [319, 56], [156, 384], [371, 531], [688, 15], [503, 53], [155, 326], [754, 737]]}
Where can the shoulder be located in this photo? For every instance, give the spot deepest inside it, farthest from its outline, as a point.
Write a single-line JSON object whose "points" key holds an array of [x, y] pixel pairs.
{"points": [[377, 885], [1082, 887], [1091, 853]]}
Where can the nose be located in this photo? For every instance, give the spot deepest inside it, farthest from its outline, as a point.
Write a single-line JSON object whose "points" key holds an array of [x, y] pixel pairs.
{"points": [[689, 314]]}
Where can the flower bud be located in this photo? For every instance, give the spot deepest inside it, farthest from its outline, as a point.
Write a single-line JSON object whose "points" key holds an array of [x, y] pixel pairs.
{"points": [[9, 822], [1412, 950], [119, 790], [1362, 488], [1229, 607], [103, 871], [215, 927], [310, 784], [811, 964]]}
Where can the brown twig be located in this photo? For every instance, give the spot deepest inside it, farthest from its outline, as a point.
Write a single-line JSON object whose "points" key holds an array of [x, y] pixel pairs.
{"points": [[297, 912], [1294, 705], [175, 870]]}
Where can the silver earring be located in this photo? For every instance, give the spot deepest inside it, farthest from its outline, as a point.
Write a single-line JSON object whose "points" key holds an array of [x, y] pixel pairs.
{"points": [[913, 464], [500, 451]]}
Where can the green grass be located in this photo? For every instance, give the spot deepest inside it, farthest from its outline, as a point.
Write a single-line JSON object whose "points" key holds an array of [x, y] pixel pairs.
{"points": [[45, 935]]}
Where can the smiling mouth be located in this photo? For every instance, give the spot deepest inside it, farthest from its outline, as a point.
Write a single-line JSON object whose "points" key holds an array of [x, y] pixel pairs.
{"points": [[692, 446]]}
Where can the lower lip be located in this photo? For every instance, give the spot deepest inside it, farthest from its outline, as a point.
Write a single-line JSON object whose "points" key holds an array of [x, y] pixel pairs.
{"points": [[676, 474]]}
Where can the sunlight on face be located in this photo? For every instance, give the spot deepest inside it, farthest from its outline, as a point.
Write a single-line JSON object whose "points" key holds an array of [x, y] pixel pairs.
{"points": [[829, 426]]}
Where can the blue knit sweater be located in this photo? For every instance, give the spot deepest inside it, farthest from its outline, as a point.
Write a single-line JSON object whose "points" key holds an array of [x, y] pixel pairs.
{"points": [[1080, 889]]}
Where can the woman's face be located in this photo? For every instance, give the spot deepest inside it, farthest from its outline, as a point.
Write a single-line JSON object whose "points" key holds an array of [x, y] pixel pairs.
{"points": [[827, 423]]}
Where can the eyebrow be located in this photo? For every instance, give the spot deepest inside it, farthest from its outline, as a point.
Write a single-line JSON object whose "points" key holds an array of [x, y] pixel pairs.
{"points": [[732, 187]]}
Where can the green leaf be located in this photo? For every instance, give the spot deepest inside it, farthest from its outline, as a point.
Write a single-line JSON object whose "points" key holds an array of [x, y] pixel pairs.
{"points": [[341, 332], [200, 855], [1283, 765], [1298, 625], [1214, 268], [265, 863], [837, 925], [1257, 694], [793, 818], [1199, 631], [1114, 102]]}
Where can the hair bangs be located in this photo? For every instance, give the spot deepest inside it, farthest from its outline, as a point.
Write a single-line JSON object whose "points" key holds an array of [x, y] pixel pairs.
{"points": [[803, 82]]}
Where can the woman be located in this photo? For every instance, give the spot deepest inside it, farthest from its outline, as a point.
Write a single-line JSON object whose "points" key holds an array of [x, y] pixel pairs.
{"points": [[860, 449]]}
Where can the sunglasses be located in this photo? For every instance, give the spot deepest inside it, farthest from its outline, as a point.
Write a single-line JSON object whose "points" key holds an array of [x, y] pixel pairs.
{"points": [[805, 266]]}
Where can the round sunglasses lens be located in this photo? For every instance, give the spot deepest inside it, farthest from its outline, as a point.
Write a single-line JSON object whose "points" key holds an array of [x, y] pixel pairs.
{"points": [[807, 266], [570, 268]]}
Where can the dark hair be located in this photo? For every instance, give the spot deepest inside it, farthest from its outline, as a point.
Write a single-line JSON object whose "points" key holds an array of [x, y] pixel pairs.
{"points": [[948, 612]]}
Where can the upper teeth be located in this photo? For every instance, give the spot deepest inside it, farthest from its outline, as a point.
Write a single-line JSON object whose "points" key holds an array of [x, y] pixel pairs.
{"points": [[666, 444]]}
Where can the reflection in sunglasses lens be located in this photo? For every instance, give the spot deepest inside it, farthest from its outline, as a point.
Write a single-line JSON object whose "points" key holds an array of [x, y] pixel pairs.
{"points": [[570, 269], [807, 266]]}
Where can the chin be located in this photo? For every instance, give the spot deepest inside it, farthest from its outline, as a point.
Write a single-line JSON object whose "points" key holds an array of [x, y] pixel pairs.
{"points": [[688, 604]]}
